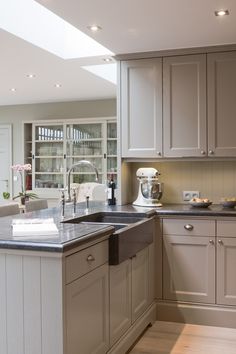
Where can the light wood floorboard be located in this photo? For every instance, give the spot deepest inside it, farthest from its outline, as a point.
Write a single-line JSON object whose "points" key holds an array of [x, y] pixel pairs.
{"points": [[179, 338]]}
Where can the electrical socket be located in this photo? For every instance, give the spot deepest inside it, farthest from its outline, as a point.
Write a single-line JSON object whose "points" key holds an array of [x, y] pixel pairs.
{"points": [[188, 195]]}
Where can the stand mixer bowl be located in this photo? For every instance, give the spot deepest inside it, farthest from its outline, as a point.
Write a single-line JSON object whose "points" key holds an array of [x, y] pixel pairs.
{"points": [[151, 189]]}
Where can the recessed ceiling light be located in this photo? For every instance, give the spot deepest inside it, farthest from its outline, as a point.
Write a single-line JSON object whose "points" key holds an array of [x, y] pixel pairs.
{"points": [[31, 76], [57, 85], [94, 28], [107, 60], [222, 12], [13, 89]]}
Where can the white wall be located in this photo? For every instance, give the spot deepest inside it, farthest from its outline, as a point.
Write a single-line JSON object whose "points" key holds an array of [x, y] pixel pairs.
{"points": [[15, 115]]}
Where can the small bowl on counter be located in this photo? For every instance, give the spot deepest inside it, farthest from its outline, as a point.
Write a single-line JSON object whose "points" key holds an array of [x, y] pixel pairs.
{"points": [[228, 202], [200, 202]]}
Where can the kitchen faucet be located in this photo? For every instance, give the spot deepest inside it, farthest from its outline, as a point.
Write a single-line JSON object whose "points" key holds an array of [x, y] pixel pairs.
{"points": [[79, 163]]}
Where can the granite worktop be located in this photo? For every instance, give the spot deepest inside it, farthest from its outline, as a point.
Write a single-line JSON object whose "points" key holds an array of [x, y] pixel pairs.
{"points": [[214, 210], [70, 234], [74, 234]]}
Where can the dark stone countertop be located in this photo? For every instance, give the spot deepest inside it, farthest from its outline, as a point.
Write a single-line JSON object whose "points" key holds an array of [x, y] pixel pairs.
{"points": [[214, 210], [70, 234]]}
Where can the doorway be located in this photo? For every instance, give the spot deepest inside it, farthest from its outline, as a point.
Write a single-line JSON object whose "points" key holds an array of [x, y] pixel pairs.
{"points": [[5, 160]]}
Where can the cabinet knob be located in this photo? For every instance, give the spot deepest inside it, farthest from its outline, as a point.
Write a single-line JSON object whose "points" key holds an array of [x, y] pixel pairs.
{"points": [[203, 152], [188, 227], [211, 242], [90, 258], [220, 242], [158, 153], [211, 152]]}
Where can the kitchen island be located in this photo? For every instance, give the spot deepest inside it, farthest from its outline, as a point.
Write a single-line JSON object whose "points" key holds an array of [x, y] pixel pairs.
{"points": [[55, 294]]}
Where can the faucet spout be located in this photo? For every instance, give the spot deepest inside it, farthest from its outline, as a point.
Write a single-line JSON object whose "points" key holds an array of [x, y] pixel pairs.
{"points": [[80, 163]]}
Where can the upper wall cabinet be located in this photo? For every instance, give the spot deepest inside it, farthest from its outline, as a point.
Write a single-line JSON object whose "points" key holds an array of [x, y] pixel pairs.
{"points": [[184, 105], [141, 108], [222, 104]]}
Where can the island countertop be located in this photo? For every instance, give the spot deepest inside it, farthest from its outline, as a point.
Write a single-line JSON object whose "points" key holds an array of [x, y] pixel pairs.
{"points": [[70, 234]]}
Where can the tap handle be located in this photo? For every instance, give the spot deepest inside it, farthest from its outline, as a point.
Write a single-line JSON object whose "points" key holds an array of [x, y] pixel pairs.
{"points": [[87, 202], [74, 201], [62, 204]]}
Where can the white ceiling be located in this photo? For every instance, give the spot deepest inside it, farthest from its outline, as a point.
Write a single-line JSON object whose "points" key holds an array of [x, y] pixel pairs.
{"points": [[127, 26]]}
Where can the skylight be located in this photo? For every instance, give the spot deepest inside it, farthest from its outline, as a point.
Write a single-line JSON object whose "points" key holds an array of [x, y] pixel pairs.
{"points": [[105, 71], [34, 23]]}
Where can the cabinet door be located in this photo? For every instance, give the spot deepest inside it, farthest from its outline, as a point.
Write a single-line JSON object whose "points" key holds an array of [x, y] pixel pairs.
{"points": [[87, 312], [140, 283], [189, 268], [226, 265], [184, 105], [141, 108], [221, 104], [120, 300]]}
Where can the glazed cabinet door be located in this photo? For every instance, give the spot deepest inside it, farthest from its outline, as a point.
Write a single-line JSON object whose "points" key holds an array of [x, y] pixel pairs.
{"points": [[189, 268], [140, 283], [226, 265], [87, 313], [120, 300], [184, 106], [141, 108]]}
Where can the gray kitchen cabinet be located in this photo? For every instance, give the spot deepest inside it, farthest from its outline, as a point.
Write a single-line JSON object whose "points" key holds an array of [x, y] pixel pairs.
{"points": [[226, 262], [120, 300], [87, 319], [221, 76], [189, 260], [131, 291], [140, 283], [141, 108], [184, 106]]}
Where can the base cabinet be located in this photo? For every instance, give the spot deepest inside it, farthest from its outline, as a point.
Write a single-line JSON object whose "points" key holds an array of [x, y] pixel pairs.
{"points": [[199, 265], [131, 291], [120, 300], [189, 268], [87, 313]]}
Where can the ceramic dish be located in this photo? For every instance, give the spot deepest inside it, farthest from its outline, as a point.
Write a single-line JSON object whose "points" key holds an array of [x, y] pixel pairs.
{"points": [[200, 204], [228, 204]]}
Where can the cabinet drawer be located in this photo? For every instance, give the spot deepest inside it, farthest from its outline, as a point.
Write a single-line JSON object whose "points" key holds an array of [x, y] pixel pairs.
{"points": [[188, 227], [226, 228], [86, 260]]}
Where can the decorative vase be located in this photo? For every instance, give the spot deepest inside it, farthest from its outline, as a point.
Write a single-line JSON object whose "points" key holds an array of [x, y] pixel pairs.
{"points": [[24, 199]]}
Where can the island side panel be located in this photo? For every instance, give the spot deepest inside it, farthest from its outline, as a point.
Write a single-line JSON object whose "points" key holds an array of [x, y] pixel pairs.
{"points": [[52, 305], [31, 307], [3, 303]]}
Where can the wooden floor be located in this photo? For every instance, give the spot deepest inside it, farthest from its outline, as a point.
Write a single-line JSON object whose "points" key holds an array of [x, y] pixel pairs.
{"points": [[179, 338]]}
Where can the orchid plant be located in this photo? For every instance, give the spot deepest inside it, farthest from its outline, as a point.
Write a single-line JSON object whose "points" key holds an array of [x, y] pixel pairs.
{"points": [[21, 170]]}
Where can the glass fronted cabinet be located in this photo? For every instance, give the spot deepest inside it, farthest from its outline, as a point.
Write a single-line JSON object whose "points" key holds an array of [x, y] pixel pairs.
{"points": [[54, 147]]}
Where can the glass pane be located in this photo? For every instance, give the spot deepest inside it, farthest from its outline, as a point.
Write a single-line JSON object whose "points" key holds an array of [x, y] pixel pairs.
{"points": [[112, 147], [111, 130], [49, 165], [84, 131], [111, 164], [49, 181], [97, 162], [82, 178], [49, 132], [85, 148], [49, 149]]}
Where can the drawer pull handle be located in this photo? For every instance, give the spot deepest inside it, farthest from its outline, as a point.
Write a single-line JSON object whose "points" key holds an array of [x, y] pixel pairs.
{"points": [[188, 227], [211, 242], [220, 242], [90, 258]]}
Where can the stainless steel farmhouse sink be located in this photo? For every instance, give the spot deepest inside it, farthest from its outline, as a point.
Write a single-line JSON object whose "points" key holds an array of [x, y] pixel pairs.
{"points": [[132, 233]]}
